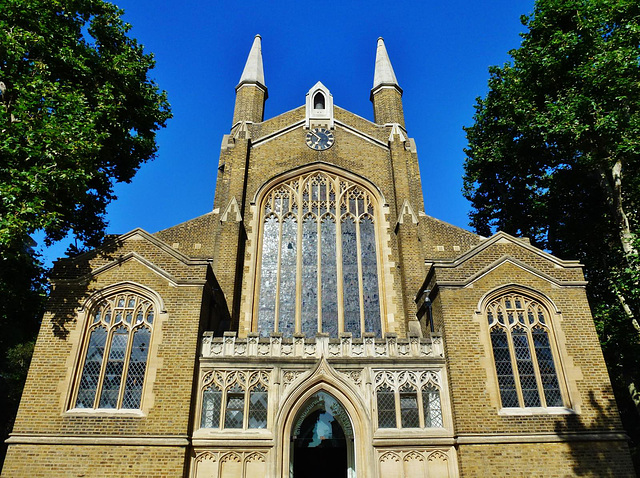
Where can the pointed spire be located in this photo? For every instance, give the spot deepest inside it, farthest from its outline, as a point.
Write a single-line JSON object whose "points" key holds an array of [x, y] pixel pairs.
{"points": [[386, 94], [384, 75], [251, 92], [253, 71]]}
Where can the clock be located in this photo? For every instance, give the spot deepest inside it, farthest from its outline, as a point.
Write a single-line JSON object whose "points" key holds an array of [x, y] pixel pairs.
{"points": [[320, 139]]}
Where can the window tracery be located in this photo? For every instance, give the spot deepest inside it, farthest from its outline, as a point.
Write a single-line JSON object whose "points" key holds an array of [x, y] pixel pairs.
{"points": [[116, 354], [244, 395], [521, 338], [410, 398], [318, 258]]}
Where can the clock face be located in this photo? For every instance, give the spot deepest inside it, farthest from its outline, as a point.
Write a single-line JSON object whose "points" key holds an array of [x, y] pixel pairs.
{"points": [[319, 139]]}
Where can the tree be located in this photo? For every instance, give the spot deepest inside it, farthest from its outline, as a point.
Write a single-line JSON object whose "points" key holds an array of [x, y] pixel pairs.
{"points": [[554, 154], [78, 112]]}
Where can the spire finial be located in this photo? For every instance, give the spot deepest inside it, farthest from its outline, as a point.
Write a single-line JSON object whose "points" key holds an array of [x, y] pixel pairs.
{"points": [[384, 74], [253, 71]]}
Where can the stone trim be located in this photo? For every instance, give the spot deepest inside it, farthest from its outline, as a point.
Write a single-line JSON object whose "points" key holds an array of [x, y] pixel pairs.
{"points": [[492, 439], [503, 237], [321, 346], [509, 259], [142, 440]]}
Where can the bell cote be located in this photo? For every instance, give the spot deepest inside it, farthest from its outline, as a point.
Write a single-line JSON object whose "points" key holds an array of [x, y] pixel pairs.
{"points": [[319, 107]]}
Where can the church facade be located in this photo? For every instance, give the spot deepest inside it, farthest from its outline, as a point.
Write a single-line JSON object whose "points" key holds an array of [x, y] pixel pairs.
{"points": [[317, 323]]}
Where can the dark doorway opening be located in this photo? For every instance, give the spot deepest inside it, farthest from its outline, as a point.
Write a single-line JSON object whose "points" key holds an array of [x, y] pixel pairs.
{"points": [[322, 440]]}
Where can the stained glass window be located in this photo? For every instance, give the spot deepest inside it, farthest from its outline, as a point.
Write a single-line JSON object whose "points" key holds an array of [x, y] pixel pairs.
{"points": [[115, 359], [322, 227], [522, 352]]}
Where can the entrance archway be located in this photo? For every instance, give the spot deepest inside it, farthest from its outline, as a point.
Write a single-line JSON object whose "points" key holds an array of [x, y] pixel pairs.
{"points": [[322, 440]]}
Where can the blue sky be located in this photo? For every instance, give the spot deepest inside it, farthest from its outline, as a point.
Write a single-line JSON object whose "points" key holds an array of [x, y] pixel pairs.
{"points": [[440, 52]]}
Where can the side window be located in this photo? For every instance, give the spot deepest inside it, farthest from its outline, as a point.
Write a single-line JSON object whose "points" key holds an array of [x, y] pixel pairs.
{"points": [[235, 399], [521, 339], [116, 353], [408, 398]]}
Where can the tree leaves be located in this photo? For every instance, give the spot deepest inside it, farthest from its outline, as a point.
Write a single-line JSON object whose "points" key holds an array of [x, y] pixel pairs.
{"points": [[554, 154], [78, 112]]}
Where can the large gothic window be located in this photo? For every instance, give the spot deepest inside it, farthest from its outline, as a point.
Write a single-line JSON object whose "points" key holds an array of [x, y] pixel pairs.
{"points": [[318, 261], [522, 350], [115, 355]]}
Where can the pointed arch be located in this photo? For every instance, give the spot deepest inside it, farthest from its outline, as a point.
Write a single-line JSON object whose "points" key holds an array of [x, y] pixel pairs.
{"points": [[112, 368], [527, 364], [318, 258], [324, 378]]}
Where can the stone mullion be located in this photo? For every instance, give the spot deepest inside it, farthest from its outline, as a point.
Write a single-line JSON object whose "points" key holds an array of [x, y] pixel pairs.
{"points": [[297, 321], [105, 360], [360, 279], [125, 366], [339, 279], [276, 312], [514, 361], [319, 271], [536, 367]]}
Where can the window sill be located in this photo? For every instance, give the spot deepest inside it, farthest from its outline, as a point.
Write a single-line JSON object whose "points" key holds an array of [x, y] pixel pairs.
{"points": [[104, 412], [399, 432], [517, 411], [235, 432]]}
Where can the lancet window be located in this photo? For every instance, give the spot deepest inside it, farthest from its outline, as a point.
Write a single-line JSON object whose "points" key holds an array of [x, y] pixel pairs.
{"points": [[521, 338], [408, 399], [116, 353], [235, 399], [319, 258]]}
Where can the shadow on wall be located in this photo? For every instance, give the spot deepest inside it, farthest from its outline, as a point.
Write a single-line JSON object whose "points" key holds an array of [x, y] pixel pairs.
{"points": [[590, 459], [67, 296]]}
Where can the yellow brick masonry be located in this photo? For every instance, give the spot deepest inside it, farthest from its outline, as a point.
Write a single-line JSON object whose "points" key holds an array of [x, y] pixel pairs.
{"points": [[71, 461], [186, 264], [166, 403]]}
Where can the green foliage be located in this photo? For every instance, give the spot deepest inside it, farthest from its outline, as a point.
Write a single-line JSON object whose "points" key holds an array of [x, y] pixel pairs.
{"points": [[554, 154], [78, 113]]}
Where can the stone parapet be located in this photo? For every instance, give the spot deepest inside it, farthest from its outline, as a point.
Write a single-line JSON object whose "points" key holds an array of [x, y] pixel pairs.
{"points": [[299, 346]]}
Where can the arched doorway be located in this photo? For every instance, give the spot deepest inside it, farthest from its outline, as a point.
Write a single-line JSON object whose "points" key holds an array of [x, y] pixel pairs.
{"points": [[322, 440]]}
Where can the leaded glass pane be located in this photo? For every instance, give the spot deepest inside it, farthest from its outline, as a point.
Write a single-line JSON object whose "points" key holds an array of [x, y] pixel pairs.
{"points": [[235, 407], [329, 277], [526, 371], [386, 408], [114, 368], [409, 407], [268, 276], [91, 369], [351, 288], [547, 368], [211, 401], [502, 358], [309, 276], [370, 277], [431, 407], [137, 368], [288, 269], [258, 404]]}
